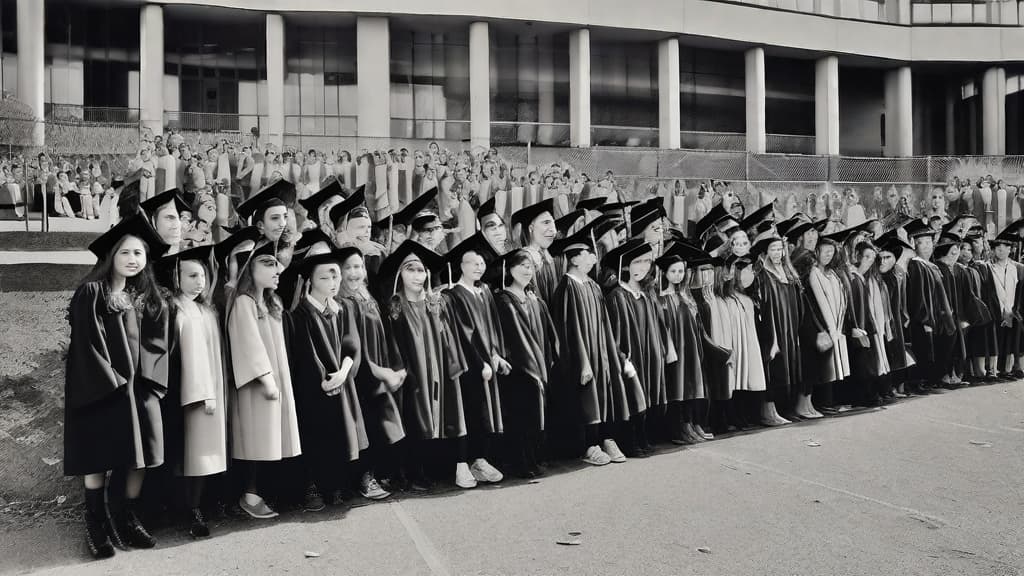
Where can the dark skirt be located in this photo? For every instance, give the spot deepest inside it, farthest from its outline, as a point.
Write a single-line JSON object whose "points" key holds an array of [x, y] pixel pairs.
{"points": [[982, 341], [523, 403], [106, 435]]}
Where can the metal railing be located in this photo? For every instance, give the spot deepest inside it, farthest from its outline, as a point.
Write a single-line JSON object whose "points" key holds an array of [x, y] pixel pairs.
{"points": [[698, 140], [430, 129], [98, 114], [629, 136], [212, 122], [534, 133], [320, 125], [790, 144]]}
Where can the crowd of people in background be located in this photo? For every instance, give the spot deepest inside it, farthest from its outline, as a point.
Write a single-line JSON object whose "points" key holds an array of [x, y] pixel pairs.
{"points": [[384, 324]]}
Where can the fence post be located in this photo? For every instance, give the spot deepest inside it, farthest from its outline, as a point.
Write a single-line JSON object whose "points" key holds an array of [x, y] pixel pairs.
{"points": [[928, 168]]}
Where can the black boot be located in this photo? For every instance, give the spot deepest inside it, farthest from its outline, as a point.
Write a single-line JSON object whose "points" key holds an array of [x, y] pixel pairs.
{"points": [[95, 525], [127, 530], [198, 527]]}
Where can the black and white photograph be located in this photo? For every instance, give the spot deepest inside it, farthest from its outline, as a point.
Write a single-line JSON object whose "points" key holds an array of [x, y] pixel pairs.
{"points": [[666, 287]]}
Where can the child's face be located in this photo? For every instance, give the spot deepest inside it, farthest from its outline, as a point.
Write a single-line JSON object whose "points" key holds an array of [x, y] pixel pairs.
{"points": [[325, 281], [191, 279]]}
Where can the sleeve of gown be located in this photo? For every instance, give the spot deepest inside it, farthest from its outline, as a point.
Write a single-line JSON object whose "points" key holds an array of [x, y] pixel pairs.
{"points": [[498, 338], [453, 350], [90, 376], [249, 358], [917, 307], [575, 343], [153, 356], [619, 323], [351, 329]]}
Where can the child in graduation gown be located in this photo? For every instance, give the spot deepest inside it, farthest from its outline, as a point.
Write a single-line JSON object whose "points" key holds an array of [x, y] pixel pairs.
{"points": [[531, 345], [264, 426], [537, 232], [475, 317], [323, 354], [871, 314], [687, 379], [590, 374], [197, 384], [643, 343], [422, 343], [115, 376], [890, 249], [376, 383]]}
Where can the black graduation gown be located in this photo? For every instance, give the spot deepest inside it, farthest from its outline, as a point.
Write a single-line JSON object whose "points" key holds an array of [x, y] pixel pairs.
{"points": [[953, 281], [927, 305], [780, 314], [115, 376], [381, 416], [475, 317], [863, 359], [640, 334], [981, 338], [422, 342], [531, 347], [688, 378], [896, 349], [330, 427], [546, 278], [587, 344]]}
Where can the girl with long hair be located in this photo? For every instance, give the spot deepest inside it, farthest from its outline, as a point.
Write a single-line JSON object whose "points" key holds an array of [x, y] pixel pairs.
{"points": [[871, 316], [115, 376], [197, 429], [264, 425], [748, 349], [827, 303]]}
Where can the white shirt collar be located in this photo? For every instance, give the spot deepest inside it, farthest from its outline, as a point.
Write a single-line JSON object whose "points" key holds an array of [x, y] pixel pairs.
{"points": [[321, 308]]}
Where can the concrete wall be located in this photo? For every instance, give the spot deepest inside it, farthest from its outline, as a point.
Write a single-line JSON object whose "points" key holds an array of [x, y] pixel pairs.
{"points": [[706, 18]]}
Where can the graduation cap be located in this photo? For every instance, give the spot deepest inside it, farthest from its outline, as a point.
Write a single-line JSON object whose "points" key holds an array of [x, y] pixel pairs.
{"points": [[453, 258], [617, 206], [763, 214], [116, 183], [407, 251], [167, 267], [314, 202], [681, 252], [265, 248], [565, 223], [739, 262], [715, 244], [648, 215], [763, 241], [225, 247], [902, 220], [957, 226], [338, 256], [135, 225], [311, 237], [594, 203], [342, 210], [893, 244], [524, 216], [153, 205], [276, 194], [622, 255], [487, 208], [842, 236], [796, 231], [918, 229], [709, 220], [946, 243], [1008, 237]]}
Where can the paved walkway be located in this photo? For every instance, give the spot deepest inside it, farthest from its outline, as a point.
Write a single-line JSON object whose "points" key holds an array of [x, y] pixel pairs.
{"points": [[56, 257]]}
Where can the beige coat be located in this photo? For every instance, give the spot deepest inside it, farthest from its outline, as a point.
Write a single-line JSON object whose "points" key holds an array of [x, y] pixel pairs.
{"points": [[202, 379], [261, 429]]}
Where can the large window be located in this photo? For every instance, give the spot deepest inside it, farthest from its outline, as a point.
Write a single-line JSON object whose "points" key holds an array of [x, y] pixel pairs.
{"points": [[8, 46], [529, 88], [624, 93], [320, 87], [789, 105], [215, 62], [429, 84], [92, 59]]}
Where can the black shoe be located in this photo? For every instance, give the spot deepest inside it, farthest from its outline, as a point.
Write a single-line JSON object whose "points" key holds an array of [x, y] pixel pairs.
{"points": [[131, 530], [96, 536], [198, 527], [312, 501], [421, 485], [337, 498]]}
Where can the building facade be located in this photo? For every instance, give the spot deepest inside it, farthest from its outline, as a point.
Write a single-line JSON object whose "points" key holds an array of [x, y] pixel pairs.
{"points": [[852, 77]]}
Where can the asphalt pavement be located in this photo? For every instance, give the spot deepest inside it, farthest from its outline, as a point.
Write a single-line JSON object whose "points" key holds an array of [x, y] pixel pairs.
{"points": [[927, 486]]}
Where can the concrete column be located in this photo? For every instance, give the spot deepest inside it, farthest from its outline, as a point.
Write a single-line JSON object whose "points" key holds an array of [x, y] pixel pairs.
{"points": [[545, 90], [668, 93], [31, 62], [373, 65], [899, 112], [275, 80], [826, 106], [479, 85], [897, 11], [579, 88], [757, 137], [952, 95], [151, 67], [993, 111]]}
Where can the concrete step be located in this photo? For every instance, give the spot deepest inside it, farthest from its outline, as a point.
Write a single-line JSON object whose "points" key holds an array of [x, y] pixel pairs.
{"points": [[41, 276], [46, 241]]}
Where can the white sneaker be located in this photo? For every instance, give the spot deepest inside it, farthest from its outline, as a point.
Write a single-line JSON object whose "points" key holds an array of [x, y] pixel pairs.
{"points": [[370, 489], [612, 450], [255, 506], [484, 472], [463, 477], [596, 457]]}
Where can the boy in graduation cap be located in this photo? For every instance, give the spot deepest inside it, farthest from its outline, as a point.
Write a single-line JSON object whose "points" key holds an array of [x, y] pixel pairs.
{"points": [[590, 386], [492, 226], [890, 251], [353, 227], [648, 224], [419, 325], [963, 304], [164, 213], [195, 421], [324, 357], [318, 206], [475, 317], [115, 377], [931, 319], [644, 345], [268, 210], [981, 335], [394, 229], [536, 232]]}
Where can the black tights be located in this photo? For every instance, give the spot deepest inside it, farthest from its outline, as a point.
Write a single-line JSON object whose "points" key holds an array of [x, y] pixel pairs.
{"points": [[194, 491]]}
